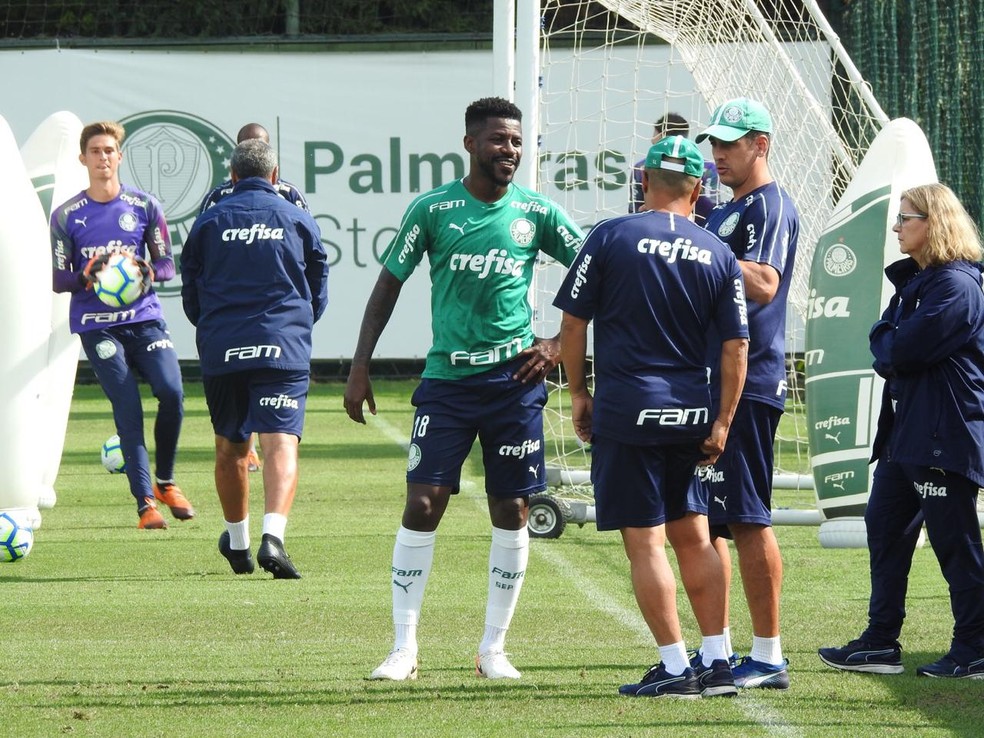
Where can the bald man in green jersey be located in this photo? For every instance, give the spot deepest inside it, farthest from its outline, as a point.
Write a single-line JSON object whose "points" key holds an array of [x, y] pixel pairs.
{"points": [[484, 372]]}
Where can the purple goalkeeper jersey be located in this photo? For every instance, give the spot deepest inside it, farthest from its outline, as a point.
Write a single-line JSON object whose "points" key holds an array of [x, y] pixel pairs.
{"points": [[81, 228]]}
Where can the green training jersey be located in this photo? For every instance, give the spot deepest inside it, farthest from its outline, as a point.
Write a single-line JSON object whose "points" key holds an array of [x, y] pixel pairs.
{"points": [[481, 266]]}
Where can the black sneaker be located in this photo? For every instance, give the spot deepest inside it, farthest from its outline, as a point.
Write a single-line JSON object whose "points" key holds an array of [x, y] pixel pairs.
{"points": [[240, 561], [716, 680], [947, 668], [275, 560], [860, 655], [658, 683]]}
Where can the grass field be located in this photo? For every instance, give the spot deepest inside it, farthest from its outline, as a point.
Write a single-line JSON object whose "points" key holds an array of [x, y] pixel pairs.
{"points": [[112, 631]]}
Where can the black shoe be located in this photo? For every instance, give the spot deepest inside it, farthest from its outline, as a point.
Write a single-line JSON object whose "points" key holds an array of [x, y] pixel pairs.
{"points": [[858, 655], [657, 682], [240, 561], [948, 668], [716, 680], [275, 560]]}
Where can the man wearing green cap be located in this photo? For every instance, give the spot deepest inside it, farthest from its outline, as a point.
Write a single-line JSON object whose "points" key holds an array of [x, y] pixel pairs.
{"points": [[655, 283], [761, 226]]}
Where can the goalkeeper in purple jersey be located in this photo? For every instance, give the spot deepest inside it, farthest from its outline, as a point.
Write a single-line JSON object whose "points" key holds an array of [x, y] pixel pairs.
{"points": [[123, 344], [761, 226], [484, 373], [654, 284]]}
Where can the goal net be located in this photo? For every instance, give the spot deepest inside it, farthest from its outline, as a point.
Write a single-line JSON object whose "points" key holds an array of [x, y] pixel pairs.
{"points": [[611, 68]]}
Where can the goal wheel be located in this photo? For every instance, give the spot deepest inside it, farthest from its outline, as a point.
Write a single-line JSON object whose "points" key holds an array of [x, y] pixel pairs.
{"points": [[546, 518]]}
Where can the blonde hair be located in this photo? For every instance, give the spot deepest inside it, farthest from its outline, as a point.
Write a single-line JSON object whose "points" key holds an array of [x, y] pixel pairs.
{"points": [[103, 128], [951, 234]]}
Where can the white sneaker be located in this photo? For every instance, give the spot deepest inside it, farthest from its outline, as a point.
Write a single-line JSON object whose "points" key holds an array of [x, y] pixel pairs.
{"points": [[399, 666], [495, 665]]}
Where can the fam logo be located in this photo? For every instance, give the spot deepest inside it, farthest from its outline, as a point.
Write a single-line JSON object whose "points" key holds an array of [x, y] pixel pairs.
{"points": [[178, 158], [839, 260]]}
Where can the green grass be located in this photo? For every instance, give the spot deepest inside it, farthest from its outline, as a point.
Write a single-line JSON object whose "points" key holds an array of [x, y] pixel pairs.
{"points": [[111, 631]]}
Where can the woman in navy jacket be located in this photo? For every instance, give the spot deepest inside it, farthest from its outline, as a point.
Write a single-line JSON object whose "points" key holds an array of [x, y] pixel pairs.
{"points": [[929, 347]]}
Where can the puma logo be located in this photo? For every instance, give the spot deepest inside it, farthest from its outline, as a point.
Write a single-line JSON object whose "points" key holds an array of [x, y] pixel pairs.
{"points": [[404, 587], [721, 502], [82, 221], [534, 470], [835, 437], [457, 228]]}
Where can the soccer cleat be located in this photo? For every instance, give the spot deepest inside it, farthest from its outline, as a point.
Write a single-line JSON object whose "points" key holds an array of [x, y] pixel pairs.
{"points": [[399, 666], [241, 561], [859, 655], [495, 665], [275, 560], [170, 494], [657, 682], [150, 519], [716, 680], [253, 460], [752, 674], [948, 668]]}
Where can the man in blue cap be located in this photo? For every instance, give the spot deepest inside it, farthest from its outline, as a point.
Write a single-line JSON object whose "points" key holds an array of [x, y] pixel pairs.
{"points": [[655, 284], [761, 226]]}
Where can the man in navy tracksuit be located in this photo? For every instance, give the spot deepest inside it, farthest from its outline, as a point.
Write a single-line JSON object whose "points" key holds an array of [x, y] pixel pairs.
{"points": [[254, 281]]}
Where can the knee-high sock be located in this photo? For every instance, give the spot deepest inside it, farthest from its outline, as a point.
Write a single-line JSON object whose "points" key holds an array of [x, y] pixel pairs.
{"points": [[508, 555], [413, 555]]}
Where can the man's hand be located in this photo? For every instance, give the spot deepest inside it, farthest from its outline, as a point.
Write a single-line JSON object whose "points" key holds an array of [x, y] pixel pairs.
{"points": [[358, 389], [96, 264], [544, 356]]}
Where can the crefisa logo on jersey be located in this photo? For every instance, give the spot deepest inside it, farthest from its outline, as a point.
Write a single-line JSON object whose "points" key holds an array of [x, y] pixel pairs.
{"points": [[839, 260], [178, 158]]}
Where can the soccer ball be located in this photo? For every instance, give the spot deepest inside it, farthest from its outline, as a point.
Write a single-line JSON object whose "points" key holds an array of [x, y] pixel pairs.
{"points": [[111, 455], [16, 540], [120, 282]]}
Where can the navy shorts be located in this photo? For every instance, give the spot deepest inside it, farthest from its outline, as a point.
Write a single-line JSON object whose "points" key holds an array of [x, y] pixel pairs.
{"points": [[258, 400], [643, 486], [739, 484], [505, 415]]}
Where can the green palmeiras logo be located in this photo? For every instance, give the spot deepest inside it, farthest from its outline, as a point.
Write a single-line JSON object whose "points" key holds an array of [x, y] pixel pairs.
{"points": [[178, 158]]}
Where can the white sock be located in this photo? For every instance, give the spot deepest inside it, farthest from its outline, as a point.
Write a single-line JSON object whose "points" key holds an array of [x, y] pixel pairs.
{"points": [[238, 534], [712, 649], [413, 554], [767, 650], [508, 556], [728, 648], [275, 524], [674, 658]]}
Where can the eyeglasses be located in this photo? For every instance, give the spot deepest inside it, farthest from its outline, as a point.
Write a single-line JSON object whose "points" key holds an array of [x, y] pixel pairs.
{"points": [[902, 217]]}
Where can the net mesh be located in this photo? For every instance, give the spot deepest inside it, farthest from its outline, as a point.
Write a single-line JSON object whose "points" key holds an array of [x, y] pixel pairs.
{"points": [[612, 68]]}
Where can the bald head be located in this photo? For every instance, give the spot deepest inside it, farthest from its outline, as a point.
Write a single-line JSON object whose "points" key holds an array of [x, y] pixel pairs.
{"points": [[251, 131]]}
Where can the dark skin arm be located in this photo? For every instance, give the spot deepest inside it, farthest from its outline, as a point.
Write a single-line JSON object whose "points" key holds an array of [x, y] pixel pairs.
{"points": [[358, 388]]}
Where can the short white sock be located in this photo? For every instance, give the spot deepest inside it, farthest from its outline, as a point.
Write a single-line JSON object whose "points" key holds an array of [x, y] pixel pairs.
{"points": [[674, 658], [728, 648], [413, 555], [767, 650], [508, 557], [712, 649], [238, 534], [275, 524]]}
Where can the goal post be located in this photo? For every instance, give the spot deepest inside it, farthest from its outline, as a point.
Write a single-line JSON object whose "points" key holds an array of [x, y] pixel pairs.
{"points": [[610, 68]]}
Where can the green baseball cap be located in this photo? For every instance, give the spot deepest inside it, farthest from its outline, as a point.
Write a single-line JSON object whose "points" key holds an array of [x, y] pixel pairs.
{"points": [[676, 147], [735, 118]]}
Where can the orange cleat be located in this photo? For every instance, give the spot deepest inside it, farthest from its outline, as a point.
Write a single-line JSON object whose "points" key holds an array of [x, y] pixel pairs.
{"points": [[150, 519], [170, 494]]}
